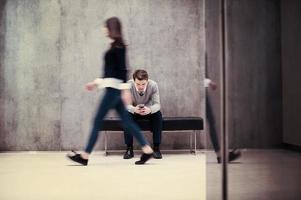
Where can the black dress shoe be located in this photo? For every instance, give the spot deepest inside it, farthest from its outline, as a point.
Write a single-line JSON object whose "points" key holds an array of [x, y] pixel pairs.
{"points": [[144, 157], [129, 153], [78, 159], [233, 155], [157, 154]]}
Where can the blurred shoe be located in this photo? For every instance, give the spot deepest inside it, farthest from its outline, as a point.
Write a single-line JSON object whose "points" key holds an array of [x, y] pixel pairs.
{"points": [[76, 157], [233, 155], [144, 157], [157, 154], [129, 153]]}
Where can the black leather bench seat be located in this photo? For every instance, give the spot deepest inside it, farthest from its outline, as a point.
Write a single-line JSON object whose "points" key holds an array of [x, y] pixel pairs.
{"points": [[169, 124], [172, 124]]}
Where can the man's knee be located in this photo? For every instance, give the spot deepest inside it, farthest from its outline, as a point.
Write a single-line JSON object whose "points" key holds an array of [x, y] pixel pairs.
{"points": [[157, 115]]}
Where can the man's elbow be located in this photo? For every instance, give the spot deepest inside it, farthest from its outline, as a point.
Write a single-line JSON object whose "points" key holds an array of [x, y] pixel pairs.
{"points": [[159, 107]]}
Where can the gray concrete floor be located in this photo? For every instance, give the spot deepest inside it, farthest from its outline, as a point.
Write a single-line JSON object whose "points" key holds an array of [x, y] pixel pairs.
{"points": [[49, 175], [258, 175]]}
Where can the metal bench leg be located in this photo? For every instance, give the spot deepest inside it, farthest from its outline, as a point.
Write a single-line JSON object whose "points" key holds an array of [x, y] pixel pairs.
{"points": [[190, 142], [195, 132], [106, 143]]}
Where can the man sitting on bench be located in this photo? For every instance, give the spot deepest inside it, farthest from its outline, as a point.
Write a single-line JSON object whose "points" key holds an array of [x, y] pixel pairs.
{"points": [[145, 105]]}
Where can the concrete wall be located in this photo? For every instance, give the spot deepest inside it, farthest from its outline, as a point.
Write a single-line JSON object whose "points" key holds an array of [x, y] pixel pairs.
{"points": [[291, 70], [255, 96], [51, 48], [254, 91], [2, 39], [254, 73]]}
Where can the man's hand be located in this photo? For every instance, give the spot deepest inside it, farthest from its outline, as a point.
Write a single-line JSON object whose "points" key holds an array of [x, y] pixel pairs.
{"points": [[137, 110], [142, 111], [90, 86], [145, 110], [212, 85]]}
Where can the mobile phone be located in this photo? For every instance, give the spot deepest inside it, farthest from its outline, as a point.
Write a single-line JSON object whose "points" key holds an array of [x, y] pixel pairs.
{"points": [[141, 106]]}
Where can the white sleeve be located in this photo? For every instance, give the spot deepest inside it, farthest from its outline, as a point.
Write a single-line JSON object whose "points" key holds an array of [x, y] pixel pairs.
{"points": [[111, 82], [155, 100], [130, 108], [207, 81], [125, 86], [99, 82]]}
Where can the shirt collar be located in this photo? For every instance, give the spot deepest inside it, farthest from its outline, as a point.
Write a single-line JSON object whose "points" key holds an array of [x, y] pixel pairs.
{"points": [[144, 88]]}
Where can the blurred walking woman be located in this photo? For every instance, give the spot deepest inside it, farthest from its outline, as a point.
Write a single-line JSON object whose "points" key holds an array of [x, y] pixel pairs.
{"points": [[116, 91]]}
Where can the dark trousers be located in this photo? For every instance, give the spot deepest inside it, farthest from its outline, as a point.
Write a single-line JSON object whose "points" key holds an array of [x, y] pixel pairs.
{"points": [[112, 100], [211, 123], [156, 127]]}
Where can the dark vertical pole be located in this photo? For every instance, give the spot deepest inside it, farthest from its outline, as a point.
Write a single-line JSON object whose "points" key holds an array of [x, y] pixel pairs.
{"points": [[224, 132]]}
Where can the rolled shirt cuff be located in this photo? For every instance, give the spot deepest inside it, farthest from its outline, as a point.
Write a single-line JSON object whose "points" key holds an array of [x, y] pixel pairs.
{"points": [[98, 82], [154, 108], [112, 83], [130, 108], [207, 82], [125, 86]]}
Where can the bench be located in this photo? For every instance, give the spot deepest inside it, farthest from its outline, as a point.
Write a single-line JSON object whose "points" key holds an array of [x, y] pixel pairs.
{"points": [[170, 124]]}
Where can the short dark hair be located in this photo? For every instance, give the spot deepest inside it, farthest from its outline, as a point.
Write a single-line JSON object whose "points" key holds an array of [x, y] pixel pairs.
{"points": [[140, 74]]}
